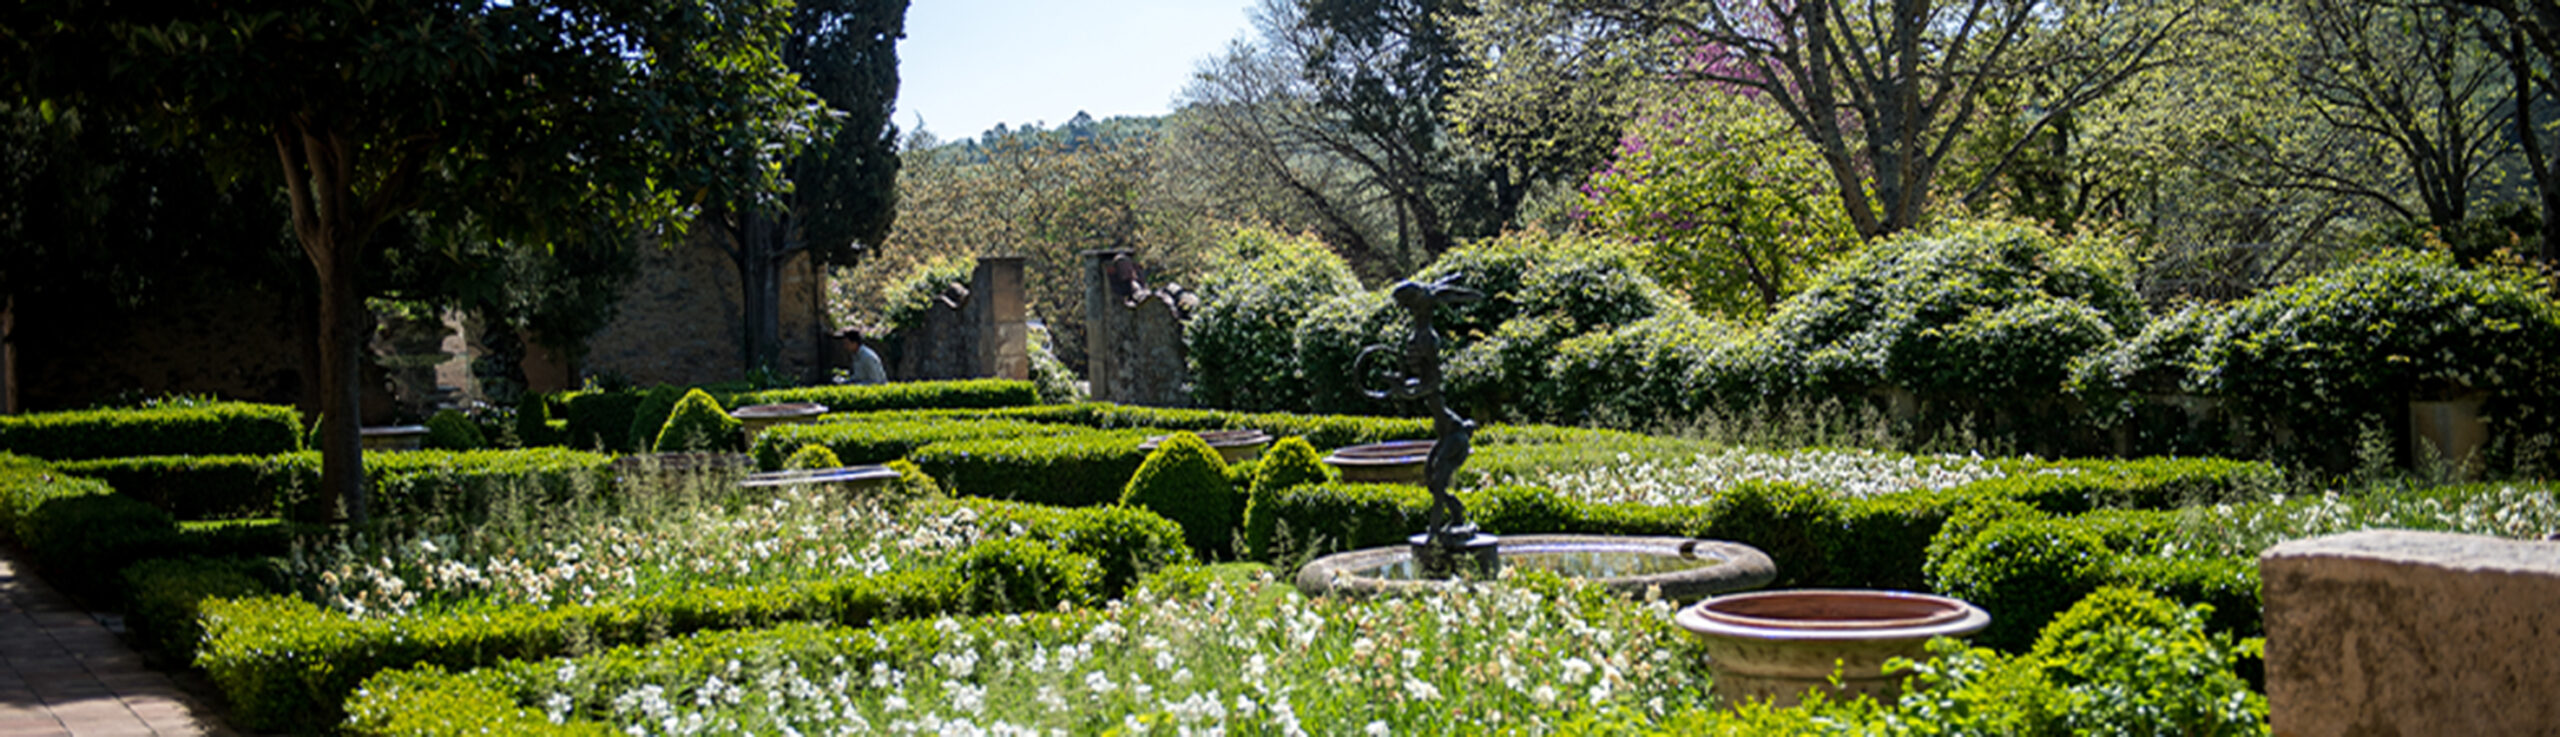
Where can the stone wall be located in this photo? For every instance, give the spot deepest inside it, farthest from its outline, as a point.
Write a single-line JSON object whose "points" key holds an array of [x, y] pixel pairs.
{"points": [[974, 332], [250, 345], [1133, 337], [2393, 632], [679, 319]]}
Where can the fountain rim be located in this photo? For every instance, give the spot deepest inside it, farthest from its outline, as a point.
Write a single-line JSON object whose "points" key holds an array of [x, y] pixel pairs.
{"points": [[1739, 566]]}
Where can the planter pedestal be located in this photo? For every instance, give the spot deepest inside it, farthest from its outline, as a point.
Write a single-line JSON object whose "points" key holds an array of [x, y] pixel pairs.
{"points": [[1396, 462]]}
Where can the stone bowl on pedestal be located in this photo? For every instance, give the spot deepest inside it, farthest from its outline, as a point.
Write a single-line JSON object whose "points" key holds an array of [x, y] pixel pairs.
{"points": [[1676, 568], [394, 437], [853, 477], [1776, 645], [758, 417], [1392, 462], [1233, 446]]}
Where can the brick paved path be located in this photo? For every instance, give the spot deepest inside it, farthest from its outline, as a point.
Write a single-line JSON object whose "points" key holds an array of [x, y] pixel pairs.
{"points": [[61, 673]]}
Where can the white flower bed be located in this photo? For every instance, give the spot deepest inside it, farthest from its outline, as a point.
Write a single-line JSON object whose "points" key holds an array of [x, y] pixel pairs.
{"points": [[1843, 472], [1250, 659]]}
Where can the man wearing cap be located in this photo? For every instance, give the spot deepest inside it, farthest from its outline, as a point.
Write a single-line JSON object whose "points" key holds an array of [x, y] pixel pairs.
{"points": [[865, 368]]}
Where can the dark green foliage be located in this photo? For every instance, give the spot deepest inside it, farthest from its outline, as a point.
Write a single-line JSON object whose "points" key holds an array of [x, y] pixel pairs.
{"points": [[212, 429], [1798, 526], [649, 417], [961, 394], [699, 424], [533, 422], [1241, 342], [1018, 575], [1290, 463], [812, 456], [2317, 360], [196, 487], [79, 532], [1070, 470], [1323, 431], [2111, 653], [168, 593], [2072, 487], [2022, 569], [601, 420], [1185, 481], [450, 430]]}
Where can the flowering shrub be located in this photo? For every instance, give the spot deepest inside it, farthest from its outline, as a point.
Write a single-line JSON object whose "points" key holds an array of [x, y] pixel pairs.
{"points": [[1735, 208], [1848, 472]]}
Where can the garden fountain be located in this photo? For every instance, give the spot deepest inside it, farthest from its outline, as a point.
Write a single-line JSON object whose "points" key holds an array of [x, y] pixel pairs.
{"points": [[1450, 547]]}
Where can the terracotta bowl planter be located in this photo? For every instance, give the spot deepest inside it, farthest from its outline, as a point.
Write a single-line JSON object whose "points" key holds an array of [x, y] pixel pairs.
{"points": [[1394, 462], [1775, 645], [1233, 446]]}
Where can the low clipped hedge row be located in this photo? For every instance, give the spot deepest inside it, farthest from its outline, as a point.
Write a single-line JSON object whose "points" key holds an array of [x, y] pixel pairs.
{"points": [[228, 486], [81, 532], [604, 420], [887, 437], [1082, 469], [288, 664], [219, 428]]}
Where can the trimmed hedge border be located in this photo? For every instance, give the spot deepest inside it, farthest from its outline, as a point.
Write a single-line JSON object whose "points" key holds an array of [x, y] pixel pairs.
{"points": [[221, 428], [887, 436], [962, 394], [230, 486], [1069, 470]]}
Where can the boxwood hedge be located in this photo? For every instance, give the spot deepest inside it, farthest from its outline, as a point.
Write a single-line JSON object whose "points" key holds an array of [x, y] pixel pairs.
{"points": [[220, 428]]}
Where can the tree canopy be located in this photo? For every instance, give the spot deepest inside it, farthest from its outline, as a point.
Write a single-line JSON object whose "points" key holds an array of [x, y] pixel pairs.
{"points": [[546, 123]]}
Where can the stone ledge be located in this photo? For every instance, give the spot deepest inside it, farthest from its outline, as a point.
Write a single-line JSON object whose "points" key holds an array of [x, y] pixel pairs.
{"points": [[2402, 632]]}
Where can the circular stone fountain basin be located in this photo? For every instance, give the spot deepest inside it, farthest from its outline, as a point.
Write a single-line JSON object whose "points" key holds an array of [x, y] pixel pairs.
{"points": [[1676, 567], [1392, 462], [1233, 446], [1775, 645]]}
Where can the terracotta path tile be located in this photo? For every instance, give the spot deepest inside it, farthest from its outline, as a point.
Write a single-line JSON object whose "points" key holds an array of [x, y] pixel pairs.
{"points": [[64, 675]]}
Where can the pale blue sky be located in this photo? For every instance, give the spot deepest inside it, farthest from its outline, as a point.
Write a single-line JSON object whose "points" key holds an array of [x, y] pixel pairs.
{"points": [[967, 65]]}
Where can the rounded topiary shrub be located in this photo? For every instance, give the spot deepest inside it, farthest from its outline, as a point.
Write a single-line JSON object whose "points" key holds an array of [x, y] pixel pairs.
{"points": [[699, 424], [533, 422], [450, 430], [1185, 481], [811, 456], [1291, 462], [2023, 569], [1241, 341], [649, 417]]}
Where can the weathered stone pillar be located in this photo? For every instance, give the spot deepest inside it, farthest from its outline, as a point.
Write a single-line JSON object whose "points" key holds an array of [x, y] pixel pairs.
{"points": [[1004, 339], [2400, 632], [8, 355], [1133, 337]]}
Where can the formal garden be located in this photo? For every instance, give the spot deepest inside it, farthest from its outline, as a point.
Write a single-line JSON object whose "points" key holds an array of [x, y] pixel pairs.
{"points": [[2066, 313]]}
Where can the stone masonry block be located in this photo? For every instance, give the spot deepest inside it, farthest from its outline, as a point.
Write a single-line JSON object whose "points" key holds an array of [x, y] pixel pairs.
{"points": [[2394, 632]]}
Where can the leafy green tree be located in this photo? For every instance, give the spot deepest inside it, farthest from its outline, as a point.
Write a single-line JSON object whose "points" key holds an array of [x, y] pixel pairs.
{"points": [[1333, 112], [844, 193], [1883, 89], [1735, 209], [548, 123]]}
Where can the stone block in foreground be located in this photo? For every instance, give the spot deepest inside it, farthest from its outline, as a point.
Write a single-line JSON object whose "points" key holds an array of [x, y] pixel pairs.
{"points": [[2393, 632]]}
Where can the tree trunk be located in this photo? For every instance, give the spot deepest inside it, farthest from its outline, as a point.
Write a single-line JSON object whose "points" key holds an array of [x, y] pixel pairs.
{"points": [[760, 256], [343, 319], [319, 172]]}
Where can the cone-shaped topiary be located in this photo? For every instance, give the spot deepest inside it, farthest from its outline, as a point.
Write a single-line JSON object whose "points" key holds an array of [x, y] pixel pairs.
{"points": [[1185, 481], [449, 430], [650, 417], [533, 422], [699, 424], [1289, 463], [812, 456]]}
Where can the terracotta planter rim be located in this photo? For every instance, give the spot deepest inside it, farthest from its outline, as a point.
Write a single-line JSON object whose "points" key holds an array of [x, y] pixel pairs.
{"points": [[1390, 453], [1217, 439], [1865, 614]]}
